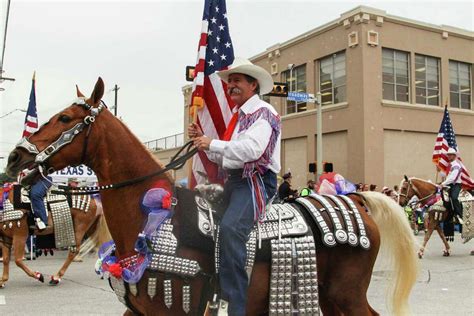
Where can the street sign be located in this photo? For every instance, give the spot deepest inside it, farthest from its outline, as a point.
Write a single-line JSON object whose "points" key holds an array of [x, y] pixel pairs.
{"points": [[298, 96]]}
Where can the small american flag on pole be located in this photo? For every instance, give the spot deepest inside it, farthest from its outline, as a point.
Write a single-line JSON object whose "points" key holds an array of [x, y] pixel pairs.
{"points": [[447, 139], [210, 102], [31, 118]]}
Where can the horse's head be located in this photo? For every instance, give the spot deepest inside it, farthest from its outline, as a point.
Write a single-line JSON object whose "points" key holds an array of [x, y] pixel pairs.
{"points": [[64, 140], [406, 191], [410, 187]]}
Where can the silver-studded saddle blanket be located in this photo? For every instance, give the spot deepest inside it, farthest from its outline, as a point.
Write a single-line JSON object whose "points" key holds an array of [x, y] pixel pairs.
{"points": [[59, 207], [290, 236], [338, 221], [467, 201]]}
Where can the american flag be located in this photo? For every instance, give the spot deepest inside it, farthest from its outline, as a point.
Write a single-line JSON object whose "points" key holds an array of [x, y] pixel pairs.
{"points": [[215, 53], [447, 139], [31, 118]]}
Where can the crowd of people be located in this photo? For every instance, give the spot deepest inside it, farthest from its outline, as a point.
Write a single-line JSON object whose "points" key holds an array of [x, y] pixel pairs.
{"points": [[329, 182]]}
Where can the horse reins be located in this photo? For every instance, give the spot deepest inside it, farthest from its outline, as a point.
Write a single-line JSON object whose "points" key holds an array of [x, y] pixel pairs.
{"points": [[410, 185], [176, 162]]}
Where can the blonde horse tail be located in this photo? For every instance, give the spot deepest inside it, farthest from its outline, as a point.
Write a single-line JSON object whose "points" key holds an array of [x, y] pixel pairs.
{"points": [[399, 246], [100, 235]]}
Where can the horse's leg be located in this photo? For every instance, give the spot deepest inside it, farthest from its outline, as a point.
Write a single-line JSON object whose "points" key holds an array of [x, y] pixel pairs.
{"points": [[447, 250], [19, 241], [432, 224], [81, 224], [6, 265]]}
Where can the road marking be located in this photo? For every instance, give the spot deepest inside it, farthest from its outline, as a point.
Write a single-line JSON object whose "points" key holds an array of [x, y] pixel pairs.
{"points": [[2, 300]]}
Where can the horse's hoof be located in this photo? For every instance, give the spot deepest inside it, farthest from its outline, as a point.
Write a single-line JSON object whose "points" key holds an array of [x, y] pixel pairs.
{"points": [[420, 255], [446, 253], [39, 276], [54, 280]]}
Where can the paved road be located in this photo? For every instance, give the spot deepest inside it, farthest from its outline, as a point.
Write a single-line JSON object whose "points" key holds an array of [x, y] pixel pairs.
{"points": [[445, 287]]}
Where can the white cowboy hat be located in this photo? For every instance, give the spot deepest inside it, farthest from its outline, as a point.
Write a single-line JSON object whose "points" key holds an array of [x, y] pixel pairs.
{"points": [[244, 66], [451, 151]]}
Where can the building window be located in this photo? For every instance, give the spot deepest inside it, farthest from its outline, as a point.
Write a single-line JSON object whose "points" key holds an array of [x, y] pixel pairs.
{"points": [[332, 78], [395, 75], [296, 81], [460, 84], [427, 80]]}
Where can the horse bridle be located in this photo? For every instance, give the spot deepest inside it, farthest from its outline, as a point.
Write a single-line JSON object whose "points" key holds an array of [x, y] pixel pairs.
{"points": [[65, 138], [410, 186]]}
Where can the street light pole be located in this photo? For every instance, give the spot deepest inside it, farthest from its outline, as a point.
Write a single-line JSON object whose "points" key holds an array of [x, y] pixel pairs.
{"points": [[290, 67], [319, 137]]}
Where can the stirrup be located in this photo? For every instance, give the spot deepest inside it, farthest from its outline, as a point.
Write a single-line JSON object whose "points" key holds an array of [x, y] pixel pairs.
{"points": [[40, 224], [459, 219], [223, 306]]}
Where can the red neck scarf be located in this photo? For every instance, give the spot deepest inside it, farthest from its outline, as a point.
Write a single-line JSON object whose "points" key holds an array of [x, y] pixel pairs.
{"points": [[231, 127]]}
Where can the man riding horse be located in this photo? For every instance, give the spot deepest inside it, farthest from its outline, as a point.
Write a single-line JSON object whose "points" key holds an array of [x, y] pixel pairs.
{"points": [[453, 181], [250, 154]]}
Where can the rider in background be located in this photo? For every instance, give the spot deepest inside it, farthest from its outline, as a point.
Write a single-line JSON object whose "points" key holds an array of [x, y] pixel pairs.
{"points": [[285, 192], [37, 193], [453, 181]]}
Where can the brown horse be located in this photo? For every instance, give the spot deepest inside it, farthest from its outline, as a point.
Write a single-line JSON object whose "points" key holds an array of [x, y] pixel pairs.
{"points": [[425, 191], [116, 155], [16, 237]]}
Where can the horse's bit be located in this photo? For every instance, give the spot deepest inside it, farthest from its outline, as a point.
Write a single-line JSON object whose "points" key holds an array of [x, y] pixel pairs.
{"points": [[66, 137], [410, 186]]}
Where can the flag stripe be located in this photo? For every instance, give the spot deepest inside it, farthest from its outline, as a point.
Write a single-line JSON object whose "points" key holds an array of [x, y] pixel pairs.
{"points": [[215, 53], [31, 117], [446, 139]]}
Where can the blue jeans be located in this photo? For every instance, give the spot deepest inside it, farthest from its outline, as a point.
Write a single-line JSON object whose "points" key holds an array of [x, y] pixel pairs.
{"points": [[235, 228], [37, 194]]}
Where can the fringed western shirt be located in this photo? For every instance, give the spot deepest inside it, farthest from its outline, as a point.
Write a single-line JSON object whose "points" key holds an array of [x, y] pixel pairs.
{"points": [[255, 143]]}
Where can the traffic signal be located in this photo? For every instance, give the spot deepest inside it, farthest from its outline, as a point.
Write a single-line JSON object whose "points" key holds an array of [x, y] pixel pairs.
{"points": [[190, 73], [280, 89]]}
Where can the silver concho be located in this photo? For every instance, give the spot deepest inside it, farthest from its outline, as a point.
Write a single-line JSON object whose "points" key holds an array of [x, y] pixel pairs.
{"points": [[353, 241], [364, 242], [341, 236], [329, 239]]}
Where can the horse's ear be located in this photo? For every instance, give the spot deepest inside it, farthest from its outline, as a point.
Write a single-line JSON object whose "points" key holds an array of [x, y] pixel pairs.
{"points": [[79, 93], [98, 92], [406, 178]]}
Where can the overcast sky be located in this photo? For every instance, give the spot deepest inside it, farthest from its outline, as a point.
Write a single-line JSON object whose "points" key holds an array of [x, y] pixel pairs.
{"points": [[144, 47]]}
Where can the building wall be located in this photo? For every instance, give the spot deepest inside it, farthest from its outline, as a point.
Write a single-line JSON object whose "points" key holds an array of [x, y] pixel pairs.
{"points": [[365, 118], [294, 153]]}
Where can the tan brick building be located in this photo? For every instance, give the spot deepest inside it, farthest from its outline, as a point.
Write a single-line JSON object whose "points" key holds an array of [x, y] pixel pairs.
{"points": [[384, 81]]}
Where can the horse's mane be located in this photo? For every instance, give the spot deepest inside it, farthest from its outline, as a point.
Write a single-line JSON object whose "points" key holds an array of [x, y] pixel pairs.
{"points": [[423, 180], [134, 138]]}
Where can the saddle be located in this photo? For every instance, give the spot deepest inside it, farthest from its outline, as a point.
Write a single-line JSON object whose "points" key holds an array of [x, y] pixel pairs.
{"points": [[289, 244], [59, 207]]}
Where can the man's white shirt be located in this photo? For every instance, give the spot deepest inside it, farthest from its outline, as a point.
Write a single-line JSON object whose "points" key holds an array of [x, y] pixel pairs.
{"points": [[248, 145], [453, 176]]}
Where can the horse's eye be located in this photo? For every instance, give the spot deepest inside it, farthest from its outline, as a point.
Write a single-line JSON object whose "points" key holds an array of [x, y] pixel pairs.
{"points": [[64, 118]]}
